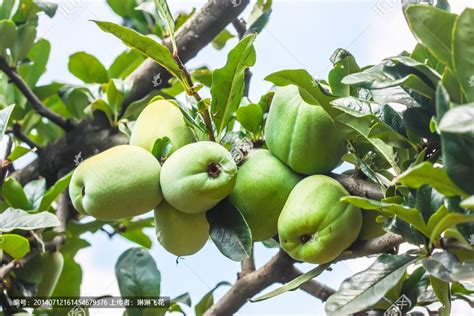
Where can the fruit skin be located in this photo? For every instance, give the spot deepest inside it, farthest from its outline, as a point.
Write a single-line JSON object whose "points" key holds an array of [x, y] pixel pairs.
{"points": [[159, 119], [120, 182], [314, 225], [180, 233], [197, 176], [53, 263], [370, 228], [302, 135], [263, 185]]}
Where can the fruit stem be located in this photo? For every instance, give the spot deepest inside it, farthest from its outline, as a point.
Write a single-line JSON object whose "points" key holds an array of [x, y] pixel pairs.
{"points": [[190, 90]]}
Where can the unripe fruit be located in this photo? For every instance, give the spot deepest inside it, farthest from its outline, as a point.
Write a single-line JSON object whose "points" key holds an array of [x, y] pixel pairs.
{"points": [[161, 119], [120, 182], [302, 135], [180, 233], [315, 226], [197, 176], [262, 187], [53, 263]]}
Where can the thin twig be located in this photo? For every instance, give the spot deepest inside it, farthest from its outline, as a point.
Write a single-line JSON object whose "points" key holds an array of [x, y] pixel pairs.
{"points": [[5, 163], [16, 131], [35, 102], [197, 97]]}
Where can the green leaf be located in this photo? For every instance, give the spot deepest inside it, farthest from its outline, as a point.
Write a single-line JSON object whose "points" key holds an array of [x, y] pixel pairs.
{"points": [[344, 64], [47, 7], [145, 45], [229, 231], [103, 106], [12, 219], [69, 283], [311, 90], [25, 38], [228, 83], [364, 289], [468, 203], [459, 120], [221, 39], [250, 116], [137, 276], [442, 292], [4, 118], [432, 27], [445, 266], [448, 221], [162, 148], [208, 300], [463, 47], [15, 245], [426, 173], [137, 236], [164, 10], [294, 284], [125, 64], [34, 190], [53, 192], [87, 68], [38, 57], [8, 31], [18, 151], [409, 215], [14, 194], [6, 9]]}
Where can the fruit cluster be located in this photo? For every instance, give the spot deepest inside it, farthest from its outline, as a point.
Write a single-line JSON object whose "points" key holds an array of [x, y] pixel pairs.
{"points": [[281, 189]]}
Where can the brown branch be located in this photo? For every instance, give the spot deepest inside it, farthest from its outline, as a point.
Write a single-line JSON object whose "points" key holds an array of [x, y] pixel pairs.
{"points": [[16, 131], [280, 269], [247, 265], [359, 187], [191, 37], [4, 163], [35, 102]]}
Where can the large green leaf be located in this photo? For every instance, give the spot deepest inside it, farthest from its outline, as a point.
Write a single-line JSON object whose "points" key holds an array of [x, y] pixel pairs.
{"points": [[15, 245], [229, 231], [146, 45], [295, 283], [14, 195], [54, 191], [8, 31], [463, 48], [409, 215], [125, 64], [228, 83], [25, 38], [433, 28], [165, 13], [459, 120], [87, 68], [12, 219], [426, 173], [221, 39], [344, 64], [250, 116], [366, 288], [38, 56], [448, 221], [35, 190], [445, 266], [311, 90]]}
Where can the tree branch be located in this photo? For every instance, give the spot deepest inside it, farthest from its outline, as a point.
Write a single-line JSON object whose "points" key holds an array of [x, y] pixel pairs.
{"points": [[191, 37], [359, 187], [16, 131], [35, 102], [247, 265]]}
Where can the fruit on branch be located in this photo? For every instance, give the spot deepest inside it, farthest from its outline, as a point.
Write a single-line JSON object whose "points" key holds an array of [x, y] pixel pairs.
{"points": [[302, 135], [314, 225], [197, 176], [120, 182], [161, 119], [180, 233], [370, 228], [262, 187], [53, 263]]}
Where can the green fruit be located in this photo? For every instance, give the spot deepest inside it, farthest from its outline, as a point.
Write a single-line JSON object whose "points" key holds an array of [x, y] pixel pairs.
{"points": [[262, 187], [302, 135], [197, 176], [53, 263], [161, 119], [314, 225], [120, 182], [370, 228], [182, 234]]}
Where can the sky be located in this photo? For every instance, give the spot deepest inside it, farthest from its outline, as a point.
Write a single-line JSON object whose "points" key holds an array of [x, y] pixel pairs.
{"points": [[300, 34]]}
